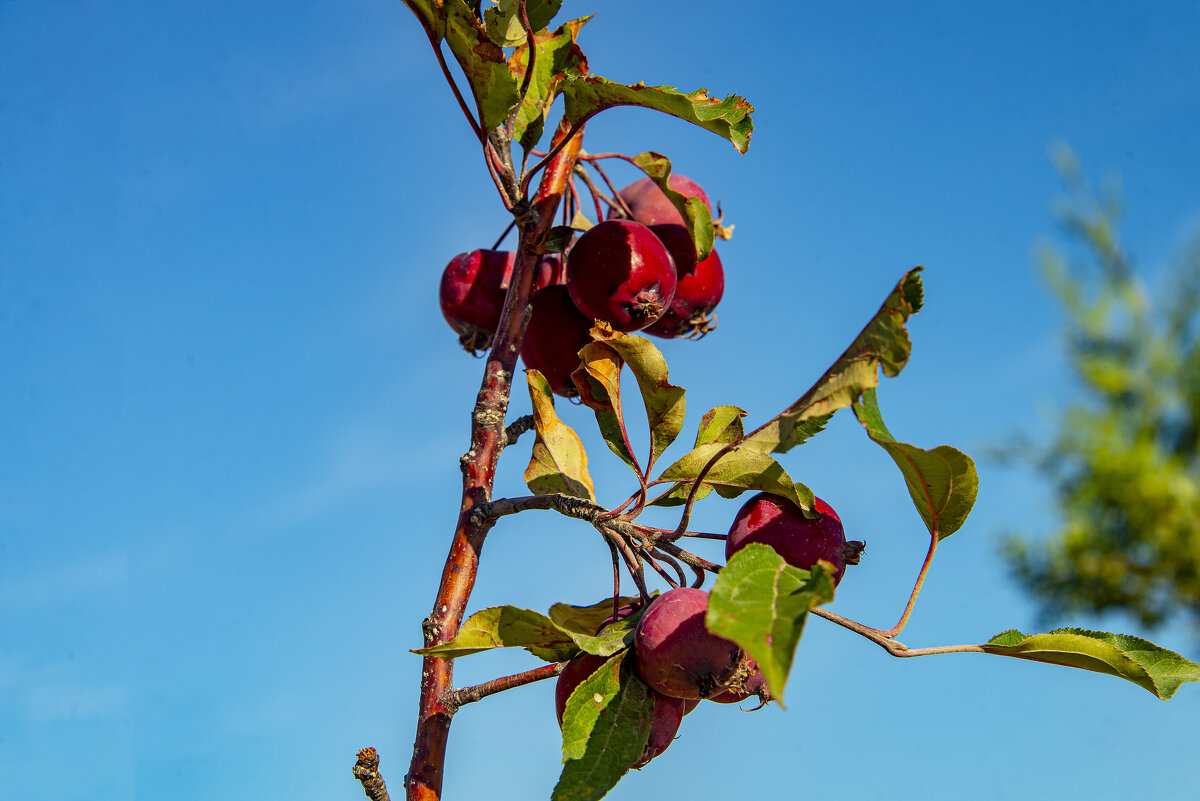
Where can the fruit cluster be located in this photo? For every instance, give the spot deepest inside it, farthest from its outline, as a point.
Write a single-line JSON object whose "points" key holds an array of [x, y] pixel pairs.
{"points": [[676, 655], [635, 274]]}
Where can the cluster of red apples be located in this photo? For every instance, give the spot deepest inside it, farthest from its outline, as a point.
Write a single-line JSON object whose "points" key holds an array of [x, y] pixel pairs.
{"points": [[639, 272], [678, 658], [636, 274]]}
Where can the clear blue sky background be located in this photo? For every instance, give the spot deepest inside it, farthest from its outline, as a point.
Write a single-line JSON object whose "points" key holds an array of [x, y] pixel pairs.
{"points": [[231, 412]]}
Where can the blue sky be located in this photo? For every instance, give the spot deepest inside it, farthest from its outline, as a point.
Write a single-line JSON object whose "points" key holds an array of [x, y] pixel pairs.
{"points": [[232, 412]]}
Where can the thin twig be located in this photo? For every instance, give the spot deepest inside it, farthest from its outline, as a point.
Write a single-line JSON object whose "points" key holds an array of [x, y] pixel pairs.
{"points": [[496, 170], [515, 429], [645, 554], [469, 695], [366, 770], [572, 132], [511, 226], [897, 649], [617, 201], [616, 577], [674, 565], [569, 505], [689, 559], [441, 60], [531, 41], [597, 195]]}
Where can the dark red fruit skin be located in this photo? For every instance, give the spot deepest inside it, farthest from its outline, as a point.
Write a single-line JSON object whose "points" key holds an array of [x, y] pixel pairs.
{"points": [[665, 717], [779, 523], [555, 334], [650, 205], [621, 273], [473, 287], [677, 655], [698, 290], [472, 293]]}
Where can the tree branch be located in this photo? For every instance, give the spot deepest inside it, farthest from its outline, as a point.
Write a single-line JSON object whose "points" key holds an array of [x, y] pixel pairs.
{"points": [[515, 429], [469, 695], [366, 770], [424, 779]]}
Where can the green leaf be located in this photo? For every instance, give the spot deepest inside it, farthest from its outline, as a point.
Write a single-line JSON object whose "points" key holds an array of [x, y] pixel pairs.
{"points": [[557, 57], [606, 724], [586, 619], [721, 424], [495, 89], [942, 482], [696, 215], [761, 602], [882, 344], [508, 627], [738, 470], [503, 21], [598, 380], [513, 627], [431, 16], [559, 462], [585, 96], [1150, 666], [664, 402]]}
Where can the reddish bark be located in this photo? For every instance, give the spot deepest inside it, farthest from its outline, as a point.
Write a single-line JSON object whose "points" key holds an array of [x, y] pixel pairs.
{"points": [[424, 779]]}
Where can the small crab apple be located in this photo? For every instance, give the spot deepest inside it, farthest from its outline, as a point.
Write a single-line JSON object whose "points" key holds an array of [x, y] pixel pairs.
{"points": [[472, 294], [665, 716], [557, 331], [698, 290], [677, 655], [621, 273], [777, 522], [651, 206], [473, 287]]}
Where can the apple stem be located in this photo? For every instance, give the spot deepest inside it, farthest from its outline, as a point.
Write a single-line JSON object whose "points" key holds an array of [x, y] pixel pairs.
{"points": [[896, 649]]}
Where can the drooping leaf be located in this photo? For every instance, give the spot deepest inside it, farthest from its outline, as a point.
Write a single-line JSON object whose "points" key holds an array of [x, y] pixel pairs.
{"points": [[761, 602], [495, 89], [585, 96], [738, 470], [587, 619], [1148, 665], [696, 215], [508, 627], [557, 57], [606, 724], [882, 344], [503, 21], [598, 380], [559, 462], [942, 482], [664, 402]]}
